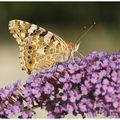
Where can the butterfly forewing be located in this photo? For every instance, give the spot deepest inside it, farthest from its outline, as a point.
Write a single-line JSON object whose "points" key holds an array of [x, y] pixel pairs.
{"points": [[39, 48]]}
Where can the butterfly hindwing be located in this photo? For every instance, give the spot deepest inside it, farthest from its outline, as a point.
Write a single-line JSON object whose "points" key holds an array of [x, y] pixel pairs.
{"points": [[39, 48]]}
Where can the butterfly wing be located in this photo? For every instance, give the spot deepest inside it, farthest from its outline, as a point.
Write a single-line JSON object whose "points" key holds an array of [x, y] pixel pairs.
{"points": [[39, 48]]}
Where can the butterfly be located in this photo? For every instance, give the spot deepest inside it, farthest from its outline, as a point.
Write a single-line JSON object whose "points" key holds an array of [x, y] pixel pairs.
{"points": [[39, 49]]}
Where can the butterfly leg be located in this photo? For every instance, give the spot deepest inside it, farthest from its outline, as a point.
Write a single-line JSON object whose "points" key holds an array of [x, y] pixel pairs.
{"points": [[72, 57]]}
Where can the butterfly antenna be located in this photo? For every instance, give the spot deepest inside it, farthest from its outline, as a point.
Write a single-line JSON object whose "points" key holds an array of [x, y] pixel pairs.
{"points": [[85, 33], [82, 30], [81, 37]]}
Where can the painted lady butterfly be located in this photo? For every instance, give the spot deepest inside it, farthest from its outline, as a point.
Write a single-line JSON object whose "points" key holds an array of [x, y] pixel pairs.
{"points": [[39, 48]]}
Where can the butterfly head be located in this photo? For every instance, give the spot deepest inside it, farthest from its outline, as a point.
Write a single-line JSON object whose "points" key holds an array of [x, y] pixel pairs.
{"points": [[74, 47]]}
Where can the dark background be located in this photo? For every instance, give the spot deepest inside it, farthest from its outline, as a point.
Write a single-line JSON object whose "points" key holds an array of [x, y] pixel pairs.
{"points": [[60, 13]]}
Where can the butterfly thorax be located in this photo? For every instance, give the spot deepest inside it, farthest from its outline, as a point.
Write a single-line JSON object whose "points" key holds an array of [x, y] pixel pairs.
{"points": [[71, 46]]}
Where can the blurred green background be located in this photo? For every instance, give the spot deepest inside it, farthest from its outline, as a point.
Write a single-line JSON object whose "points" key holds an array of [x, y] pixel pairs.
{"points": [[63, 18]]}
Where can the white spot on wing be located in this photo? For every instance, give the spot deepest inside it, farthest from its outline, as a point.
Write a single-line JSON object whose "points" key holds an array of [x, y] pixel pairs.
{"points": [[12, 24], [47, 37], [56, 42], [21, 23], [22, 35], [32, 28], [41, 51]]}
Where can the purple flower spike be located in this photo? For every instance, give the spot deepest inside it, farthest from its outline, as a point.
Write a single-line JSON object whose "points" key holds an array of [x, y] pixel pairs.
{"points": [[88, 86]]}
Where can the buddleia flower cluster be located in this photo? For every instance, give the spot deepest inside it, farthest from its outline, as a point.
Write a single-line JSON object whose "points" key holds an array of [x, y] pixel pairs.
{"points": [[87, 86]]}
